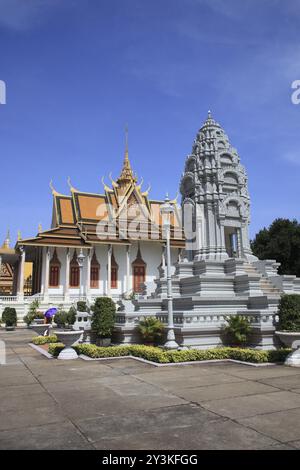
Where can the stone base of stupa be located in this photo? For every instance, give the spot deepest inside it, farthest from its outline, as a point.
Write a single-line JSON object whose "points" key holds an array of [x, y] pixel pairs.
{"points": [[207, 292]]}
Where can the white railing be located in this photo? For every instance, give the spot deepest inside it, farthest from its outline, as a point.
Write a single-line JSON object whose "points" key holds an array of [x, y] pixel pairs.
{"points": [[8, 298]]}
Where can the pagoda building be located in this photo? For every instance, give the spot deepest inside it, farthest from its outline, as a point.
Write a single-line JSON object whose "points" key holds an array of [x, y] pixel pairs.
{"points": [[99, 244]]}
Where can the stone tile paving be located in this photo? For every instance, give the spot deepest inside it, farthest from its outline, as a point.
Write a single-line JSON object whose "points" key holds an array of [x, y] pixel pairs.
{"points": [[124, 404]]}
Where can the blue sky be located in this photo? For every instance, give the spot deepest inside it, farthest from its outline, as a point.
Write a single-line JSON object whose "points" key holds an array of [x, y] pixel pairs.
{"points": [[77, 71]]}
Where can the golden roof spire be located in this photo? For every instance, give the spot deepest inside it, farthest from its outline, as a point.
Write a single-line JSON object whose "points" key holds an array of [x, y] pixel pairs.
{"points": [[126, 177], [6, 243]]}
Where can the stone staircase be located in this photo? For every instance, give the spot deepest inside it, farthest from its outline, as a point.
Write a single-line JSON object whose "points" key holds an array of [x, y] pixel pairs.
{"points": [[266, 286]]}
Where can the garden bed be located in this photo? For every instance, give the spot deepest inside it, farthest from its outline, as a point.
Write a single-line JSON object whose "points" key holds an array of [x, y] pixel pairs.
{"points": [[160, 356]]}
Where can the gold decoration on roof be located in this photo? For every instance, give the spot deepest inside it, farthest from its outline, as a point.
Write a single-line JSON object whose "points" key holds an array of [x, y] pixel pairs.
{"points": [[145, 193], [6, 243], [115, 185], [40, 228], [106, 188], [54, 192], [127, 176], [72, 189]]}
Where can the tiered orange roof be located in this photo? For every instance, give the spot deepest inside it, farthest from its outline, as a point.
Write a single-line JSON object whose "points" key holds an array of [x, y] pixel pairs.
{"points": [[75, 217]]}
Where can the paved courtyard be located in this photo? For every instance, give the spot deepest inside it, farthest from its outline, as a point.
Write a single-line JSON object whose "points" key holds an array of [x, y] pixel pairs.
{"points": [[125, 404]]}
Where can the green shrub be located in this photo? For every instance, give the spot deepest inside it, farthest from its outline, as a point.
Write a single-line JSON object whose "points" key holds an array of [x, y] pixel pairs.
{"points": [[71, 316], [33, 312], [161, 356], [82, 306], [44, 339], [55, 348], [60, 318], [103, 318], [9, 316], [289, 312], [237, 331], [151, 329]]}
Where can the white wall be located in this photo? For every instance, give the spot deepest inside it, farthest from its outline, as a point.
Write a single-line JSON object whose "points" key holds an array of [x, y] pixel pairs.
{"points": [[151, 253]]}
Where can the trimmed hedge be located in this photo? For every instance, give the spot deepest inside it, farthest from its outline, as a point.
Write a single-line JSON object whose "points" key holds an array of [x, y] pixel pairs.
{"points": [[103, 318], [44, 339], [289, 312], [161, 356]]}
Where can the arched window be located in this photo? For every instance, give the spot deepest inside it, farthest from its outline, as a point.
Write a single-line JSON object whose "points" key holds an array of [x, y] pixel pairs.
{"points": [[114, 272], [139, 272], [95, 271], [54, 270], [74, 271]]}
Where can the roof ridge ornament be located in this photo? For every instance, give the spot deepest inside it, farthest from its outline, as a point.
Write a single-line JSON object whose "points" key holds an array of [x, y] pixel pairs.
{"points": [[54, 192], [145, 193], [115, 185], [139, 186], [106, 188], [72, 189]]}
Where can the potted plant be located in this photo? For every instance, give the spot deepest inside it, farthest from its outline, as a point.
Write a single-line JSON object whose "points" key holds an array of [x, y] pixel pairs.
{"points": [[237, 331], [151, 329], [103, 320], [82, 306], [33, 314], [9, 317], [289, 326], [60, 318]]}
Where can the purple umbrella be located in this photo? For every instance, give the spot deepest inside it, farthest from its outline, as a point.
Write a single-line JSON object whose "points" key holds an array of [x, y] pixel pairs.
{"points": [[50, 312]]}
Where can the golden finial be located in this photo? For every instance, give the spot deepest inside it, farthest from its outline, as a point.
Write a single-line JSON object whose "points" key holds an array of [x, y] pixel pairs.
{"points": [[19, 235], [40, 228], [6, 242]]}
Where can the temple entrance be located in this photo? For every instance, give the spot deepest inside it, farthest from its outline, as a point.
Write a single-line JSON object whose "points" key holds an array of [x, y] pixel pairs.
{"points": [[231, 241]]}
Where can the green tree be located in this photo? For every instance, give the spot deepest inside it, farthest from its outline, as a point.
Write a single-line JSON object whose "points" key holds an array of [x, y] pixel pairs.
{"points": [[281, 241]]}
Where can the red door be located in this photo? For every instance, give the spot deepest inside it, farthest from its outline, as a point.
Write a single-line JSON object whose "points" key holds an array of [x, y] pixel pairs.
{"points": [[138, 278]]}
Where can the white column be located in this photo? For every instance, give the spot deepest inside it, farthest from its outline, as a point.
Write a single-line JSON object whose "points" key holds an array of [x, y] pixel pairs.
{"points": [[20, 291], [239, 243], [67, 273], [128, 283], [46, 272], [109, 252], [88, 273]]}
